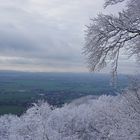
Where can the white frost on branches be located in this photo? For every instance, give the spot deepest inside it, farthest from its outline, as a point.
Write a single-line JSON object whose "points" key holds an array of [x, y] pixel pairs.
{"points": [[108, 34], [105, 118], [112, 2]]}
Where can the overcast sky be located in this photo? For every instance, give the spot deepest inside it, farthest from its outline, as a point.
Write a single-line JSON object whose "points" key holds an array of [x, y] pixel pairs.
{"points": [[47, 35]]}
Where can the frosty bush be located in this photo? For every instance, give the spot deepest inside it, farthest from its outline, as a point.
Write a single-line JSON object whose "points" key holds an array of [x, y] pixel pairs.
{"points": [[105, 118]]}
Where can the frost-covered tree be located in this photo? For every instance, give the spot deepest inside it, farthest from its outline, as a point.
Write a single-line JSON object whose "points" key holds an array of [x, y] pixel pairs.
{"points": [[108, 34], [104, 118]]}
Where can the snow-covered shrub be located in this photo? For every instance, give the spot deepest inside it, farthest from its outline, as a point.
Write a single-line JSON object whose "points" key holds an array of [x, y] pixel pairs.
{"points": [[103, 118]]}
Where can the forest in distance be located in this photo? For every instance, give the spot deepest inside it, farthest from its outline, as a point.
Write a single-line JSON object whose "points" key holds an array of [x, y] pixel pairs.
{"points": [[18, 90]]}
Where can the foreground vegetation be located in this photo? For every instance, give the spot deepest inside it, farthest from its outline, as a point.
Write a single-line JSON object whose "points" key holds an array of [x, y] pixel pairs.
{"points": [[105, 118]]}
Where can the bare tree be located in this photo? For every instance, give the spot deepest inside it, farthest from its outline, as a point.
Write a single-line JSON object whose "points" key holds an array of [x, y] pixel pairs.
{"points": [[108, 34]]}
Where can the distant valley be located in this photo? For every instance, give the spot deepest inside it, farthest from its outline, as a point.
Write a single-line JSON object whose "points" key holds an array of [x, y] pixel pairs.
{"points": [[18, 90]]}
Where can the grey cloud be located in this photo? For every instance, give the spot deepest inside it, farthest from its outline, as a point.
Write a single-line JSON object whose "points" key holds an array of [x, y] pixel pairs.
{"points": [[34, 36], [44, 33]]}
